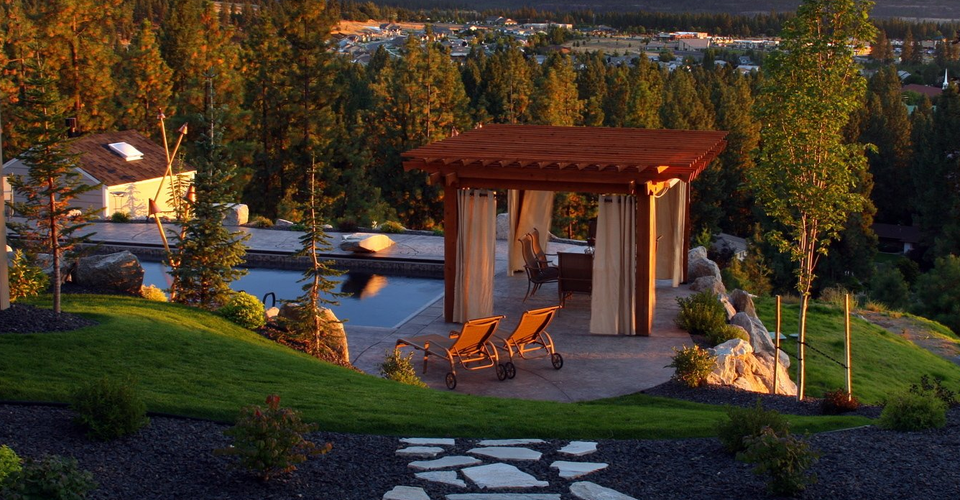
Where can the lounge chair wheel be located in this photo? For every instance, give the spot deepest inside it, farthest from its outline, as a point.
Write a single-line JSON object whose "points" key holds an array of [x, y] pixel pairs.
{"points": [[451, 381], [511, 369], [556, 360], [501, 372]]}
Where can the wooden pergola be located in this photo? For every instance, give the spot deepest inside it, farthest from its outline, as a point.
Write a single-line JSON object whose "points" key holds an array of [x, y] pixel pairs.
{"points": [[637, 162]]}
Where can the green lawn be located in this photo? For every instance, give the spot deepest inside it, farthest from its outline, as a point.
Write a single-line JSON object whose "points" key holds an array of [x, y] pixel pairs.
{"points": [[883, 362], [194, 363]]}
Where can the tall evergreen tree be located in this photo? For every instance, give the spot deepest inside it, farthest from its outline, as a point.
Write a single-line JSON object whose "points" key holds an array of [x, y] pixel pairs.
{"points": [[180, 40], [556, 99], [592, 87], [416, 100], [147, 84], [82, 33], [684, 106], [908, 52], [53, 180], [936, 173], [207, 255], [881, 50], [18, 44], [508, 84]]}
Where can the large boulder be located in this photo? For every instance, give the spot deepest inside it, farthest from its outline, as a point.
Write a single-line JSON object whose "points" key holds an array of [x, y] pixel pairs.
{"points": [[743, 302], [236, 214], [711, 283], [45, 262], [335, 337], [503, 226], [737, 365], [365, 242], [119, 271], [697, 253], [759, 338], [698, 268]]}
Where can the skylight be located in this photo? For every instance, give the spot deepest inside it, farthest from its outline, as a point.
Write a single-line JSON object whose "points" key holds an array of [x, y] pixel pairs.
{"points": [[126, 151]]}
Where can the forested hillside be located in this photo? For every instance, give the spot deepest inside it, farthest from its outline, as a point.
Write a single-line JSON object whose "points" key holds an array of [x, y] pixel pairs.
{"points": [[291, 104]]}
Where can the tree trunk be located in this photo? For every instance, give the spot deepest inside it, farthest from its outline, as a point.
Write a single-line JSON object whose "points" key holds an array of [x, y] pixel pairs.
{"points": [[54, 247]]}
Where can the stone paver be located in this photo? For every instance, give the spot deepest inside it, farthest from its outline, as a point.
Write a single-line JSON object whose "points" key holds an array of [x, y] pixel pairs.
{"points": [[442, 476], [504, 496], [445, 462], [509, 442], [429, 441], [420, 451], [406, 493], [579, 448], [501, 476], [507, 453], [571, 470], [585, 490]]}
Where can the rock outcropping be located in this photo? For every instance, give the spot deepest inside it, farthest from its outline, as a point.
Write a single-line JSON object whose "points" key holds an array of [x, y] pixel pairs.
{"points": [[119, 271], [743, 364]]}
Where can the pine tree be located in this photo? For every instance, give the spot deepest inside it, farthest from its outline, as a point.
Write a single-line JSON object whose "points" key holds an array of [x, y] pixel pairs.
{"points": [[310, 322], [81, 34], [936, 173], [148, 86], [556, 99], [881, 50], [683, 107], [207, 254], [508, 85], [592, 87], [180, 41], [18, 45], [53, 181], [908, 53]]}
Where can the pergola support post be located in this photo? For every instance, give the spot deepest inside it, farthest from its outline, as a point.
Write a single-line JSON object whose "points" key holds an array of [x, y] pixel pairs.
{"points": [[687, 229], [646, 262], [451, 229]]}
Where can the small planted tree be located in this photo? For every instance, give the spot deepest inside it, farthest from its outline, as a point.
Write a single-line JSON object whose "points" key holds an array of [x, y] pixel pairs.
{"points": [[207, 254], [806, 176], [309, 321], [52, 182]]}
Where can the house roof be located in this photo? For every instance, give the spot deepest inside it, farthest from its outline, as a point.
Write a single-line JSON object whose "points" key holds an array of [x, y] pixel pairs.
{"points": [[101, 163], [906, 234], [926, 90], [577, 159]]}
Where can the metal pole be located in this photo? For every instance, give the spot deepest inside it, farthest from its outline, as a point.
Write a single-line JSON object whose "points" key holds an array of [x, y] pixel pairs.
{"points": [[776, 351], [801, 344], [846, 343]]}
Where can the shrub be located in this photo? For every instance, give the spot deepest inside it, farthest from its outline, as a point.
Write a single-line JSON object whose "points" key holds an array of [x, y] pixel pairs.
{"points": [[835, 296], [438, 231], [889, 287], [878, 307], [909, 411], [749, 274], [784, 458], [837, 402], [701, 314], [49, 478], [260, 221], [26, 278], [749, 422], [153, 293], [347, 225], [934, 387], [109, 408], [245, 310], [938, 294], [120, 217], [9, 463], [269, 441], [692, 365], [392, 227], [398, 368], [725, 333]]}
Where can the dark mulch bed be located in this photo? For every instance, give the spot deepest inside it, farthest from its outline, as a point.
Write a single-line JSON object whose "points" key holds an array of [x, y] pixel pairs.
{"points": [[172, 458], [20, 318]]}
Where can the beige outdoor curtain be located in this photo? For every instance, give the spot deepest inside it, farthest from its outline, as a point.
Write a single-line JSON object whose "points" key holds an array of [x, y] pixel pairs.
{"points": [[671, 215], [476, 247], [612, 303], [528, 210]]}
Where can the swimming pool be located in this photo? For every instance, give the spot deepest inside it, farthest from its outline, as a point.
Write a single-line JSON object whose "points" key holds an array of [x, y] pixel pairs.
{"points": [[373, 300]]}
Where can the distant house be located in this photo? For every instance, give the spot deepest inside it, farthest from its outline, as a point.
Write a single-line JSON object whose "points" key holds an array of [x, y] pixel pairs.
{"points": [[125, 166], [930, 92], [691, 44], [897, 238]]}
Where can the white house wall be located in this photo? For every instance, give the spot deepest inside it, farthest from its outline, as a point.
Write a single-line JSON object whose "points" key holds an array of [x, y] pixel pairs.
{"points": [[136, 196]]}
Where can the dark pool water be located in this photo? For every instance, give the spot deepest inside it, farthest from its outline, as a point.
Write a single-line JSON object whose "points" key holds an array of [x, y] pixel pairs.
{"points": [[373, 300]]}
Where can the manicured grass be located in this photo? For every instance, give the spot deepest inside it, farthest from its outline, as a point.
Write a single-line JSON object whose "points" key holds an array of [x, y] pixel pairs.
{"points": [[197, 364], [883, 363]]}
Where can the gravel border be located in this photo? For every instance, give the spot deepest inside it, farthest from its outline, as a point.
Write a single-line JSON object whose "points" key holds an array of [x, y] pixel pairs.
{"points": [[172, 458]]}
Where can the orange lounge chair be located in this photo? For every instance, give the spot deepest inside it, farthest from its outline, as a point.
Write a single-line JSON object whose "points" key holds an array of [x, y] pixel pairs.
{"points": [[531, 335], [471, 347]]}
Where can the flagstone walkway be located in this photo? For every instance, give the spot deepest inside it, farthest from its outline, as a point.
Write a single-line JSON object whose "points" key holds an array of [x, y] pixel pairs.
{"points": [[488, 481]]}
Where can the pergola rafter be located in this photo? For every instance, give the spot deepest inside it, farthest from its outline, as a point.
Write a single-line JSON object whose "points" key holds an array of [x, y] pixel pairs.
{"points": [[569, 159]]}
